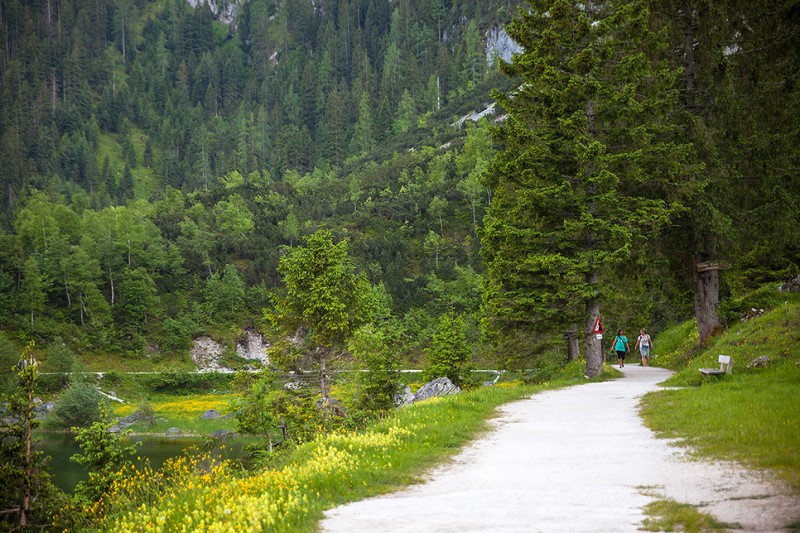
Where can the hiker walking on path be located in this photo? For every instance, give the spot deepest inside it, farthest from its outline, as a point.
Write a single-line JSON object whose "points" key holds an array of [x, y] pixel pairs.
{"points": [[621, 346], [645, 344]]}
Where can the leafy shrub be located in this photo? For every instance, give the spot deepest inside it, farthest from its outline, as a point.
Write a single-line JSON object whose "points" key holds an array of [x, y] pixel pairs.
{"points": [[450, 353], [77, 406], [377, 387], [102, 454]]}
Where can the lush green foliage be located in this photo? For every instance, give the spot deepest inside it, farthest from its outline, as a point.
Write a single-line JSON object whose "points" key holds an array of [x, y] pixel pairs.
{"points": [[377, 386], [324, 302], [153, 175], [449, 353], [103, 455], [590, 157], [279, 415], [26, 496]]}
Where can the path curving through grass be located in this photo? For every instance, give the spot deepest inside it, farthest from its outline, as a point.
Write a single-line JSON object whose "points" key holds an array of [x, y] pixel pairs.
{"points": [[575, 459]]}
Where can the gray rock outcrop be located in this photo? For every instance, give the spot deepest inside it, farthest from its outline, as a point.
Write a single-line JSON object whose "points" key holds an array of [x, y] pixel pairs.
{"points": [[211, 414], [206, 354], [437, 387], [792, 285], [253, 348]]}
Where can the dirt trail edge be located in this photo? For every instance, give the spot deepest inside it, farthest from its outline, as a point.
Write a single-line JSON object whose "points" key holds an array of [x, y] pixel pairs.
{"points": [[576, 459]]}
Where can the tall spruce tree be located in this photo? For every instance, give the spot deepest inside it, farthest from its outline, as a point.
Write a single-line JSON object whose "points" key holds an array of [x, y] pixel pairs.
{"points": [[586, 168], [739, 98]]}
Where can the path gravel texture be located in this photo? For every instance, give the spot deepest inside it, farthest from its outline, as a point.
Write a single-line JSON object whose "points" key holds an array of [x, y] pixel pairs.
{"points": [[576, 459]]}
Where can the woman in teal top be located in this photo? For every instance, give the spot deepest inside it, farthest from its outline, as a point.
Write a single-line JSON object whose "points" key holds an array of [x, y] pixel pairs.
{"points": [[621, 346]]}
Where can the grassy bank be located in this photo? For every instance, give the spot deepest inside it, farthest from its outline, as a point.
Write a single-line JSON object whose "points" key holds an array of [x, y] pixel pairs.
{"points": [[751, 415], [331, 470]]}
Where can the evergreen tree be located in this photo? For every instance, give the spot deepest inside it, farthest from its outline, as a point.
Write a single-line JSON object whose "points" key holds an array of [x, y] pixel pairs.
{"points": [[449, 353], [26, 488], [588, 157]]}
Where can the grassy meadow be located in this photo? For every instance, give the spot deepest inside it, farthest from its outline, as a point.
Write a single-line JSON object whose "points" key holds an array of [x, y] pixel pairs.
{"points": [[750, 416]]}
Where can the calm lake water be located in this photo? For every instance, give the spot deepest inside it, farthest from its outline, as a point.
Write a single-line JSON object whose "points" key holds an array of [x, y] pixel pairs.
{"points": [[66, 474]]}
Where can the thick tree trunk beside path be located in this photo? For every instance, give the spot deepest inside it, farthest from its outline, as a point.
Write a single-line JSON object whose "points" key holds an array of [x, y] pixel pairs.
{"points": [[577, 459]]}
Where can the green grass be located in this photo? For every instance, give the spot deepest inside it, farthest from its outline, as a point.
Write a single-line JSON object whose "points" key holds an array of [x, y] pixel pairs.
{"points": [[334, 469], [184, 413], [751, 415], [668, 515]]}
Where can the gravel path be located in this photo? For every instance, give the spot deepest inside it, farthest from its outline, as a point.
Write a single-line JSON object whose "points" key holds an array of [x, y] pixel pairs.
{"points": [[576, 459]]}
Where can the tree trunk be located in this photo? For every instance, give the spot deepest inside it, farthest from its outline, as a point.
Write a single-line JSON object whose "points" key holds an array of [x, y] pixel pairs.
{"points": [[26, 491], [323, 381], [706, 300], [594, 350], [573, 343]]}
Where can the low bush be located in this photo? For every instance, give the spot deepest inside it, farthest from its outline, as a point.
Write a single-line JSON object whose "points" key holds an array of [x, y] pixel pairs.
{"points": [[77, 406]]}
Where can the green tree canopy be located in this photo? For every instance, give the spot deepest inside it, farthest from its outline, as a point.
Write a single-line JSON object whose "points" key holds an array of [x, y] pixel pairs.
{"points": [[588, 157], [325, 299]]}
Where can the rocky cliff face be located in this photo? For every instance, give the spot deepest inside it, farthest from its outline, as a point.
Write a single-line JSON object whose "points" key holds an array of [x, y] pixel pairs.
{"points": [[223, 10], [500, 45], [207, 353]]}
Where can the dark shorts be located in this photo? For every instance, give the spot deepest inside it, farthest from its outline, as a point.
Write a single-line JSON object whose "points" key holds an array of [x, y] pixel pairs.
{"points": [[620, 354]]}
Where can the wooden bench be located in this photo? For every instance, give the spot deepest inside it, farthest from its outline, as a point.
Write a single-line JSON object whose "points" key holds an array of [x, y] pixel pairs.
{"points": [[725, 367]]}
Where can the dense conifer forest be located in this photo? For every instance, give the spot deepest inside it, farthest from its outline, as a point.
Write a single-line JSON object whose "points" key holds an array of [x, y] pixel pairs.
{"points": [[157, 163]]}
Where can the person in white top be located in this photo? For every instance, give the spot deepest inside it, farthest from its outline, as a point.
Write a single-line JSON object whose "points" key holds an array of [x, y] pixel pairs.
{"points": [[645, 344]]}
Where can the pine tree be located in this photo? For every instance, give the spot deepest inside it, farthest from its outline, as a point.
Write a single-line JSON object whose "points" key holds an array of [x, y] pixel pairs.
{"points": [[587, 162]]}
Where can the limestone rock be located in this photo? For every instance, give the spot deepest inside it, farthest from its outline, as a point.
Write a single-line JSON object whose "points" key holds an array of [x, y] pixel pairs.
{"points": [[437, 387], [211, 414], [206, 354], [404, 397], [253, 348], [173, 432], [760, 362]]}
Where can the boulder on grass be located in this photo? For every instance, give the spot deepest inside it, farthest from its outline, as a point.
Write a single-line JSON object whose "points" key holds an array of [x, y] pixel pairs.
{"points": [[211, 414], [760, 362], [437, 387]]}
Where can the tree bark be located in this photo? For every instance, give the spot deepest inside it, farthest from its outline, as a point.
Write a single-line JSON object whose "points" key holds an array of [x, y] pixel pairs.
{"points": [[323, 381], [26, 493], [706, 301], [573, 343], [594, 348]]}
